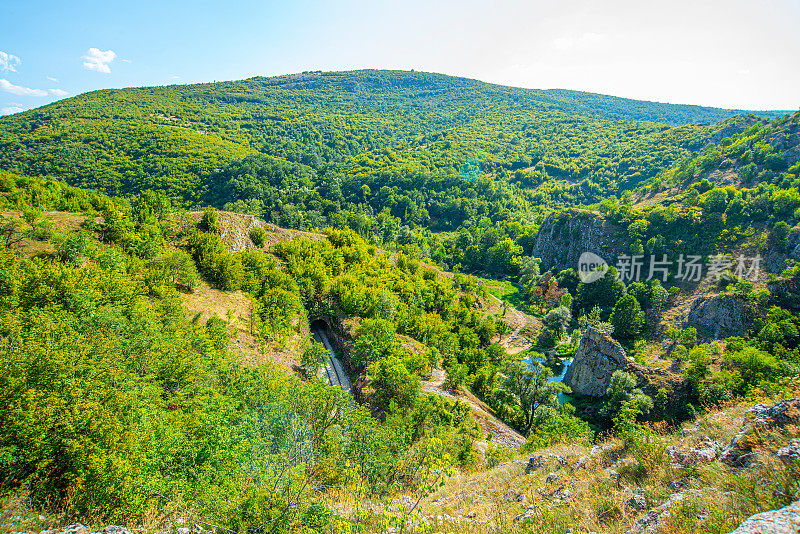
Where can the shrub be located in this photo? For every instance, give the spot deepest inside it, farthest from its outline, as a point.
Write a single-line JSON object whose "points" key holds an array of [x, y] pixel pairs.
{"points": [[74, 247], [258, 236], [210, 221], [313, 358]]}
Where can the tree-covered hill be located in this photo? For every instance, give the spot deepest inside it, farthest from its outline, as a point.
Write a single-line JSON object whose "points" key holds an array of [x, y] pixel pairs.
{"points": [[174, 137]]}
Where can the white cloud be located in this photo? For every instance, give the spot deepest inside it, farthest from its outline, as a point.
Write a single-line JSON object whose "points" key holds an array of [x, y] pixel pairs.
{"points": [[54, 80], [11, 109], [99, 60], [9, 62], [125, 60], [9, 87]]}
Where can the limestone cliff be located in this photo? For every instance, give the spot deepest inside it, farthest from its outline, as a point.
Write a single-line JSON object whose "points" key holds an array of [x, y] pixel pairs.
{"points": [[565, 235], [598, 356], [721, 315]]}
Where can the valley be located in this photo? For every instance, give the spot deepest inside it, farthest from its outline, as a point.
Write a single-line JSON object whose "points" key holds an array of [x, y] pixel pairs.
{"points": [[359, 302]]}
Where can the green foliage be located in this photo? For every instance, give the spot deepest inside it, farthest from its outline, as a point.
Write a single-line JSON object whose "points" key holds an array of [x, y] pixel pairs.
{"points": [[258, 236], [623, 399], [74, 247], [210, 221], [558, 319], [529, 390], [175, 267], [314, 358], [392, 384], [627, 317], [604, 293], [557, 427], [215, 262], [376, 339]]}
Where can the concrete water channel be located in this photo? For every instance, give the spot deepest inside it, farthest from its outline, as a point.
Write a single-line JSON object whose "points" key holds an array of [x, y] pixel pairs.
{"points": [[334, 370]]}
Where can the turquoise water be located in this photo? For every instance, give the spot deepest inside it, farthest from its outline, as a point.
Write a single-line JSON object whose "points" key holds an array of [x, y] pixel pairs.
{"points": [[558, 373]]}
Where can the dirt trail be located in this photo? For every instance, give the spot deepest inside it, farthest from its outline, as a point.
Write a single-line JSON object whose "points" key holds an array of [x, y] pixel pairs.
{"points": [[515, 343], [502, 434]]}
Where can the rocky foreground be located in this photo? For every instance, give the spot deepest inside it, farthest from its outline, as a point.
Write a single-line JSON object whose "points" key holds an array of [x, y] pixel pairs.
{"points": [[735, 463]]}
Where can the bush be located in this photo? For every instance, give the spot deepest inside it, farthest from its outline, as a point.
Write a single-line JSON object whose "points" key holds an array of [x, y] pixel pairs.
{"points": [[258, 236], [622, 391], [456, 376], [313, 358], [210, 221], [74, 247], [392, 383]]}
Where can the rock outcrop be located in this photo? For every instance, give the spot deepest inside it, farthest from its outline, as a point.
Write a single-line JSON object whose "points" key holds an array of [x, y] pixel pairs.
{"points": [[734, 126], [790, 453], [650, 522], [721, 315], [564, 236], [703, 453], [740, 453], [598, 356], [783, 521], [786, 291]]}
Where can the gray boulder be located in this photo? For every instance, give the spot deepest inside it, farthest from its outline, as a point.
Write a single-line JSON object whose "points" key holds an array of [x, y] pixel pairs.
{"points": [[703, 453], [790, 453], [598, 356], [565, 235], [531, 512], [721, 315], [651, 521], [783, 521], [779, 414], [637, 502]]}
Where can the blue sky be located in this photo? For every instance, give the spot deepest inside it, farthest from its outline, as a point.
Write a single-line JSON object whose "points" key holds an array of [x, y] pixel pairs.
{"points": [[722, 53]]}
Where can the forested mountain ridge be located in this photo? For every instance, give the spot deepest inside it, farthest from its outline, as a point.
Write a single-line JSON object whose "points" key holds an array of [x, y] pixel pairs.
{"points": [[126, 140]]}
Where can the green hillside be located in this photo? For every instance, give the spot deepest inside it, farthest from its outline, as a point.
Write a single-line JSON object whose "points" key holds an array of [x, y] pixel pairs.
{"points": [[159, 361], [123, 141]]}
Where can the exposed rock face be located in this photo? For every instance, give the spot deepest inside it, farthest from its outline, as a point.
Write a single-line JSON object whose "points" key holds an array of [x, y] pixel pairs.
{"points": [[651, 521], [734, 126], [703, 453], [597, 358], [780, 414], [793, 244], [564, 236], [78, 528], [739, 453], [786, 291], [790, 453], [721, 315], [783, 521]]}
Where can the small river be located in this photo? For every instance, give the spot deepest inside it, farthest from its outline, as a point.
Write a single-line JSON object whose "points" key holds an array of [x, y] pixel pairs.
{"points": [[558, 372]]}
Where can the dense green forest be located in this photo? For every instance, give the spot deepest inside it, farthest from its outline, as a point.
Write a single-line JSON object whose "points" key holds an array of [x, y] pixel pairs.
{"points": [[426, 198], [175, 137]]}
